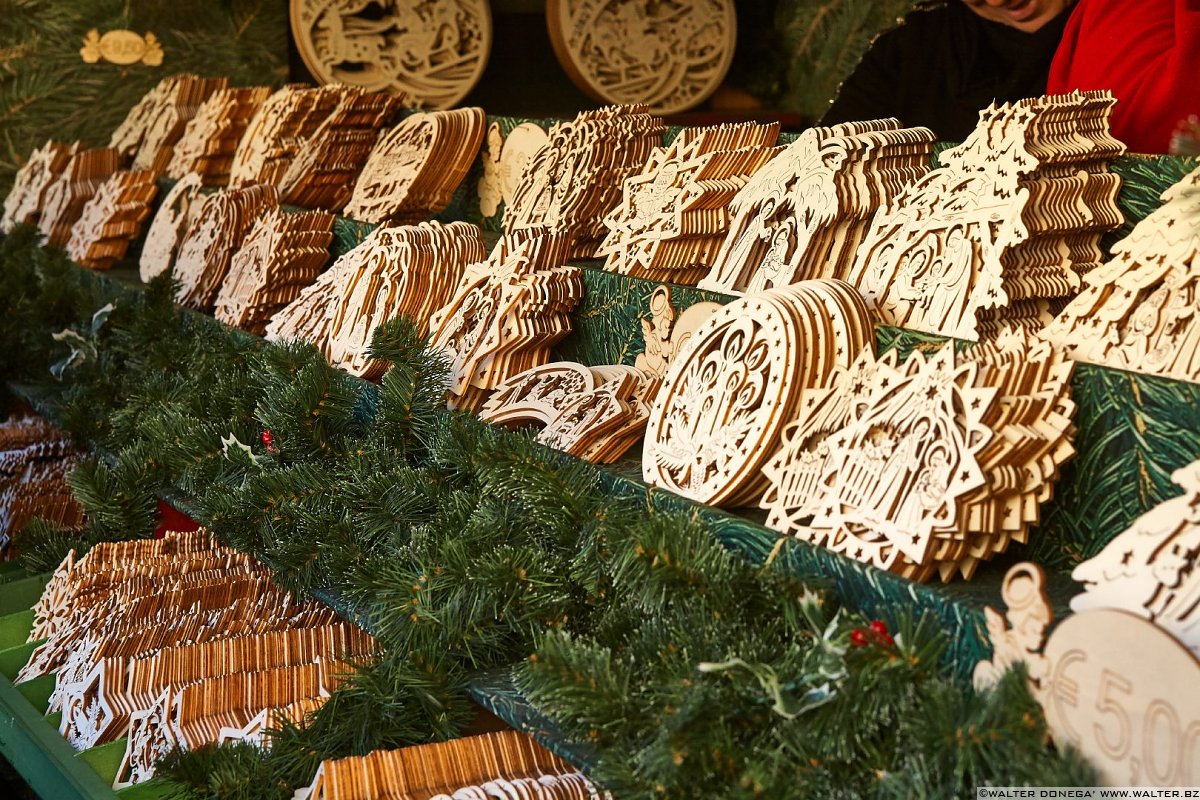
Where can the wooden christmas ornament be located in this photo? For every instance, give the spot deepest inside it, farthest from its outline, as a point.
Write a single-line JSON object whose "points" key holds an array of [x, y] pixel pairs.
{"points": [[504, 161], [112, 219], [927, 467], [1138, 311], [1150, 570], [65, 198], [575, 179], [404, 270], [35, 460], [415, 167], [667, 331], [669, 56], [28, 193], [505, 315], [156, 123], [281, 255], [741, 377], [172, 219], [672, 216], [323, 171], [211, 137], [215, 232], [803, 215], [1113, 685], [431, 53], [1015, 214]]}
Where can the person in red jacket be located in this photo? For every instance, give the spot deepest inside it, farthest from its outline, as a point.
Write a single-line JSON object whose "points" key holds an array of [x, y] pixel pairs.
{"points": [[1146, 52]]}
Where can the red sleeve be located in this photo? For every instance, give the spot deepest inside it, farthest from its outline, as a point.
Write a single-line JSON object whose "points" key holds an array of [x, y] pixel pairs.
{"points": [[1147, 52]]}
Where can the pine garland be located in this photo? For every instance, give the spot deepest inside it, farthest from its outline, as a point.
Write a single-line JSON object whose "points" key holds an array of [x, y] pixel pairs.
{"points": [[463, 547]]}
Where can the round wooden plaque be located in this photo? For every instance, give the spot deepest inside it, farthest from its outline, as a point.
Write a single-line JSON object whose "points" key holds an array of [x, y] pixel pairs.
{"points": [[669, 54], [433, 51]]}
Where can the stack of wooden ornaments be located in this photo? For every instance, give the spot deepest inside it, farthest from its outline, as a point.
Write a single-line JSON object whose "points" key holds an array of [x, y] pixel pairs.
{"points": [[415, 167], [804, 215], [1001, 233], [156, 123], [404, 270], [273, 136], [112, 219], [1139, 311], [323, 171], [167, 641], [281, 256], [745, 372], [494, 765], [930, 466], [211, 137], [35, 459], [505, 315], [63, 201], [214, 234], [171, 221], [598, 413], [672, 216], [28, 194], [575, 179]]}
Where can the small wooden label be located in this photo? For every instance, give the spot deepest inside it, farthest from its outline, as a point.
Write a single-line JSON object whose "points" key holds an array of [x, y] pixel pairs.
{"points": [[121, 47], [1119, 689]]}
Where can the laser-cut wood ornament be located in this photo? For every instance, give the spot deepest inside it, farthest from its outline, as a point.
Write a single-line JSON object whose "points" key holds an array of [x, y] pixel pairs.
{"points": [[43, 167], [66, 197], [803, 215], [157, 121], [1114, 686], [172, 219], [672, 216], [575, 179], [505, 315], [281, 255], [112, 219], [432, 53], [211, 137], [666, 331], [215, 232], [323, 171], [929, 467], [1139, 311], [669, 56], [1013, 215], [743, 375], [504, 161], [502, 764], [414, 169]]}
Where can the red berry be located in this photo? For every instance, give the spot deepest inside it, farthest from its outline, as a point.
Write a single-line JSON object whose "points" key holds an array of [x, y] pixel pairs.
{"points": [[886, 640], [267, 437], [879, 628], [858, 637]]}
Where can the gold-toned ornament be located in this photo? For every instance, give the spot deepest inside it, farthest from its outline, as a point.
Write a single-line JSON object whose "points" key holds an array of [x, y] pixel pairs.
{"points": [[121, 47]]}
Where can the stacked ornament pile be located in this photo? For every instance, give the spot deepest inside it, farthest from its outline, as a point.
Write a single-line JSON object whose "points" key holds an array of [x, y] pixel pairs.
{"points": [[804, 215], [168, 641], [152, 127], [401, 271], [35, 459], [174, 216], [672, 216], [28, 195], [575, 179], [499, 765], [112, 219], [1001, 233], [211, 137], [930, 466], [281, 256], [1138, 311], [415, 167], [63, 200], [505, 315], [324, 169]]}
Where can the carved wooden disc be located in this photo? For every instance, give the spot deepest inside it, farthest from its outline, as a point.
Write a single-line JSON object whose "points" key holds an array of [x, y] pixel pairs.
{"points": [[670, 56], [434, 51], [1118, 689]]}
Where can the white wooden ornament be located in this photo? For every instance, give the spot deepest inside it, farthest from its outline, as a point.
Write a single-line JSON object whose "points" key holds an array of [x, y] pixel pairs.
{"points": [[1013, 215], [28, 193], [112, 219], [1114, 686], [431, 52], [670, 56], [66, 197], [172, 219], [1138, 311], [803, 215], [211, 137]]}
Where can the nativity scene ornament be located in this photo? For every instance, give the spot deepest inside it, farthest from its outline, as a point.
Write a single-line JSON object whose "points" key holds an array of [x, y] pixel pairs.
{"points": [[433, 51]]}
